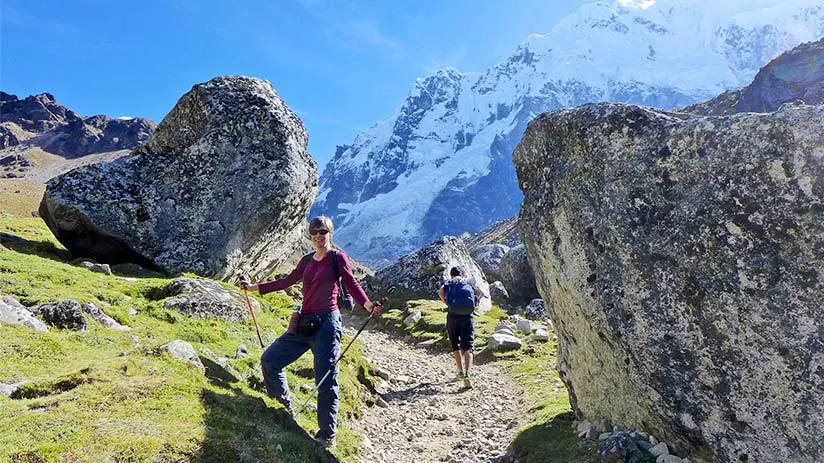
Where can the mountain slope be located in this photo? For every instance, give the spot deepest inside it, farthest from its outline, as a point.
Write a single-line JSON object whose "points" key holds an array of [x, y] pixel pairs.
{"points": [[40, 138], [442, 163], [795, 75], [59, 130]]}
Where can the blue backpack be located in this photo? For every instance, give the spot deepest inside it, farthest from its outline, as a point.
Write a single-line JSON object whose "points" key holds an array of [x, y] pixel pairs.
{"points": [[460, 297]]}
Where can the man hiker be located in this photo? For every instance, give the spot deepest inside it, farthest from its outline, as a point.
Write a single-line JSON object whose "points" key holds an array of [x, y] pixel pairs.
{"points": [[461, 296], [315, 326]]}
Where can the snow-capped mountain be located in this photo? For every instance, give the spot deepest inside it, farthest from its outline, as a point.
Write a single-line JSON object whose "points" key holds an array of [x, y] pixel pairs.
{"points": [[442, 164]]}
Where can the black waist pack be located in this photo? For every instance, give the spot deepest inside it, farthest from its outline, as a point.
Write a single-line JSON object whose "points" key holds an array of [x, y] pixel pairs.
{"points": [[309, 324]]}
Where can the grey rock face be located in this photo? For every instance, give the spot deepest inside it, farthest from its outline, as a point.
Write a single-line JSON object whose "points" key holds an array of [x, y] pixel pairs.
{"points": [[98, 268], [225, 184], [497, 292], [680, 258], [517, 275], [14, 313], [96, 134], [488, 257], [206, 299], [535, 310], [184, 352], [503, 232], [797, 75], [100, 317], [502, 342], [10, 135], [36, 113], [65, 314], [425, 270]]}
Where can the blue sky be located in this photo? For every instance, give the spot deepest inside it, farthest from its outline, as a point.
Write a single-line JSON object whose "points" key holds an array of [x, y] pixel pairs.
{"points": [[340, 65]]}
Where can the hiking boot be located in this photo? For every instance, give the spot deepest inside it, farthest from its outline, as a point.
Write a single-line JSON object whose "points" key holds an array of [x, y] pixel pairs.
{"points": [[457, 378], [467, 382], [327, 443]]}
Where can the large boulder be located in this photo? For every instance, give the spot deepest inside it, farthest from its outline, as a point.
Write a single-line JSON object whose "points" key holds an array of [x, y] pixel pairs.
{"points": [[517, 275], [14, 313], [680, 258], [224, 184], [183, 351], [488, 257], [421, 273], [204, 299], [66, 314]]}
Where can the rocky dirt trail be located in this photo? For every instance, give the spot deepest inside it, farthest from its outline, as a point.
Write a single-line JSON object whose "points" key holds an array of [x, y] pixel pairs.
{"points": [[425, 416]]}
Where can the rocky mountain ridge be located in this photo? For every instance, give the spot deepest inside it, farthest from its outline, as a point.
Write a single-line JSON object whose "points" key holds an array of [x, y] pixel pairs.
{"points": [[37, 131]]}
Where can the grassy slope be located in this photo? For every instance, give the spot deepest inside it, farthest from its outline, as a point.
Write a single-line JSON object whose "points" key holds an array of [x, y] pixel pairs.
{"points": [[20, 197], [132, 405], [121, 400], [550, 436]]}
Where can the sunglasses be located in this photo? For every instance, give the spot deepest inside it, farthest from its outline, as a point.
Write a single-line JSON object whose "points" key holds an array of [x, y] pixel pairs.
{"points": [[321, 231]]}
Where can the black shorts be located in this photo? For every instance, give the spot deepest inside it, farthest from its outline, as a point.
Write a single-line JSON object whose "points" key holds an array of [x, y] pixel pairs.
{"points": [[461, 331]]}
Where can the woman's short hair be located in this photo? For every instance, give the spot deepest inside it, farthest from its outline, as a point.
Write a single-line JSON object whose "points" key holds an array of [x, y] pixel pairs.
{"points": [[322, 221]]}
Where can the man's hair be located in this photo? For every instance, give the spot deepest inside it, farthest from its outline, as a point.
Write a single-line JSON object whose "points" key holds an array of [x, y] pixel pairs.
{"points": [[456, 271], [322, 221]]}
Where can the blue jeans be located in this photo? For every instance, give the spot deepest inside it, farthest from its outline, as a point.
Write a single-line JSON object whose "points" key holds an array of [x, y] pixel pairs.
{"points": [[325, 345]]}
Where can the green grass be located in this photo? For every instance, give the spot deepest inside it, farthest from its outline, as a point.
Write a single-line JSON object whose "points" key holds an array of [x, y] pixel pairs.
{"points": [[550, 437], [20, 197], [108, 396]]}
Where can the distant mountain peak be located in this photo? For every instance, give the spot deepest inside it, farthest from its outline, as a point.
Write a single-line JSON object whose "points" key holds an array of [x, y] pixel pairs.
{"points": [[442, 163], [40, 121]]}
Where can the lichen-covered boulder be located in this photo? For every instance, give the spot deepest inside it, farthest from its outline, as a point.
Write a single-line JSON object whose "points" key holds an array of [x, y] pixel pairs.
{"points": [[422, 272], [204, 299], [488, 257], [497, 292], [224, 184], [13, 312], [101, 317], [183, 351], [517, 275], [535, 310], [681, 260], [66, 314]]}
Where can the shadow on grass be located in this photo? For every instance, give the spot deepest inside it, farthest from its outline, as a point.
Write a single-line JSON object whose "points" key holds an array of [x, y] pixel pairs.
{"points": [[554, 441], [242, 428], [48, 250], [41, 248], [486, 356]]}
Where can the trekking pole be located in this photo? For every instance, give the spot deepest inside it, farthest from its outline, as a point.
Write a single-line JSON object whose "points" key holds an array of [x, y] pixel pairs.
{"points": [[244, 282], [332, 368]]}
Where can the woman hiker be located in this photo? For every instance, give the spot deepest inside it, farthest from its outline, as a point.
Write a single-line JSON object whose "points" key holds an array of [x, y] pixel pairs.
{"points": [[319, 325]]}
